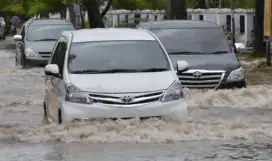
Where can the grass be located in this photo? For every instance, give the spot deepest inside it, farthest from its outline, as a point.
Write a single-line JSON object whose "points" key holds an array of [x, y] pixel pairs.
{"points": [[254, 56], [246, 56], [86, 25], [259, 75]]}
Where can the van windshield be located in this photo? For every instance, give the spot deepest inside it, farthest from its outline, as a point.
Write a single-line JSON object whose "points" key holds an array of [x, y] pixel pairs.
{"points": [[117, 57], [193, 41], [46, 32]]}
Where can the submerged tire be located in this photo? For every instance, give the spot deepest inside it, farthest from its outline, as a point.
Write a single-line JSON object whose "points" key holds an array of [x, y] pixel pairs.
{"points": [[17, 61], [44, 110], [24, 63], [45, 116], [59, 117]]}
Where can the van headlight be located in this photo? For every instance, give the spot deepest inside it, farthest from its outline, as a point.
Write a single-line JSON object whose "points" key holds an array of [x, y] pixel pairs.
{"points": [[73, 94], [236, 75], [30, 53], [173, 93]]}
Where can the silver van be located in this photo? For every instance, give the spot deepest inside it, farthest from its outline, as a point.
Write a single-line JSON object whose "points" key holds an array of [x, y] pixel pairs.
{"points": [[111, 73]]}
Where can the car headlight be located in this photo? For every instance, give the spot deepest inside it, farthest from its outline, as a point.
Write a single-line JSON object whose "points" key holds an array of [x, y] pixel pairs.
{"points": [[236, 75], [30, 53], [173, 93], [73, 94]]}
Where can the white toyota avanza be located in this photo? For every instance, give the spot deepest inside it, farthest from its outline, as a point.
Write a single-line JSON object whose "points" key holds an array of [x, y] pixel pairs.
{"points": [[111, 73]]}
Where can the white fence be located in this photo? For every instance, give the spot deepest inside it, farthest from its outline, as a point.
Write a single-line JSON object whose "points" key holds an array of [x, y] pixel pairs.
{"points": [[244, 19]]}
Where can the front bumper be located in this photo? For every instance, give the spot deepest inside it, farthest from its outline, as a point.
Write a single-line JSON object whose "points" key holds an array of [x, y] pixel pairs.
{"points": [[73, 111], [37, 61], [231, 85]]}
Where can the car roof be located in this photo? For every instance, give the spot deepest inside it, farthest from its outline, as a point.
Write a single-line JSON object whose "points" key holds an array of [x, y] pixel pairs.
{"points": [[49, 21], [179, 24], [111, 34]]}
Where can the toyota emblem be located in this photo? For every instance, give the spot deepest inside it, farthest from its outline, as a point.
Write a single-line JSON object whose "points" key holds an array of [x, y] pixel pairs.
{"points": [[127, 99], [197, 74]]}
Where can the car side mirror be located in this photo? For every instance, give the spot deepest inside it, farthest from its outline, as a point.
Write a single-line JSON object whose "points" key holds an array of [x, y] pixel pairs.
{"points": [[17, 37], [52, 70], [182, 66]]}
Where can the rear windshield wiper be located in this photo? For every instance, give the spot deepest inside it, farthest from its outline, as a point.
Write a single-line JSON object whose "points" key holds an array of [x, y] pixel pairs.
{"points": [[219, 52], [186, 53], [46, 40]]}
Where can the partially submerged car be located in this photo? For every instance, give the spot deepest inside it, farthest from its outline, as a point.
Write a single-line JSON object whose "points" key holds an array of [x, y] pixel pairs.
{"points": [[37, 39], [212, 59], [111, 73]]}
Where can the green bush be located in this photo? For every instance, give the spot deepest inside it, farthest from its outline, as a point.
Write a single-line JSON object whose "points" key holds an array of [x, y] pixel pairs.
{"points": [[86, 25]]}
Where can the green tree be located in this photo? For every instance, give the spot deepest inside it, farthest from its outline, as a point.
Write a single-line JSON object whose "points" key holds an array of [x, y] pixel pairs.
{"points": [[92, 6], [224, 3], [140, 4], [178, 9]]}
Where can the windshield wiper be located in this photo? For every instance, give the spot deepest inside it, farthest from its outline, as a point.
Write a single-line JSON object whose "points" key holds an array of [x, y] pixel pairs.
{"points": [[219, 52], [186, 53], [153, 70], [85, 71], [119, 71], [46, 40], [91, 71]]}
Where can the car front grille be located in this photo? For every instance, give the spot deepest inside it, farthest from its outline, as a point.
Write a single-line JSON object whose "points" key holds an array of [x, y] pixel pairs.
{"points": [[201, 78], [45, 54], [126, 100]]}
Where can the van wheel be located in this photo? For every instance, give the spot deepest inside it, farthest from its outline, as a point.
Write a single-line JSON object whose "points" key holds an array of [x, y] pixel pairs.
{"points": [[45, 116], [23, 63], [18, 60], [59, 117], [44, 110]]}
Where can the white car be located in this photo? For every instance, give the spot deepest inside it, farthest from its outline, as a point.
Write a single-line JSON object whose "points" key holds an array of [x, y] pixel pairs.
{"points": [[111, 73]]}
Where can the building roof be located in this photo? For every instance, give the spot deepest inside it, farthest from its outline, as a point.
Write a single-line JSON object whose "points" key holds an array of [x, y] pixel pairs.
{"points": [[111, 34]]}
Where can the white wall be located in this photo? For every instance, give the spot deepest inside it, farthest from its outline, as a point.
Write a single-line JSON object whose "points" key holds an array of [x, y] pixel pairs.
{"points": [[219, 16]]}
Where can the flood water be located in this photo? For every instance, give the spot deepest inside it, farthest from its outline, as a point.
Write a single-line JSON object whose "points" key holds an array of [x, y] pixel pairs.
{"points": [[221, 126]]}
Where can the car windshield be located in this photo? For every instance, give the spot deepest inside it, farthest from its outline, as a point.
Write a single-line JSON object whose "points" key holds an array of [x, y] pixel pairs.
{"points": [[117, 57], [46, 32], [193, 41]]}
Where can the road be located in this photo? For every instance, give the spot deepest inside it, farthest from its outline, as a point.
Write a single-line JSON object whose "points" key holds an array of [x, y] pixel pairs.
{"points": [[221, 126]]}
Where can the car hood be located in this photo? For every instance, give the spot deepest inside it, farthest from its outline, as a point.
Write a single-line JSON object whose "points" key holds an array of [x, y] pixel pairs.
{"points": [[123, 82], [41, 46], [226, 62]]}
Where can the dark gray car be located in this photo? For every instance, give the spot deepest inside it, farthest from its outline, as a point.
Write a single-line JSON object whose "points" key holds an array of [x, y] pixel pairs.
{"points": [[37, 39], [212, 59]]}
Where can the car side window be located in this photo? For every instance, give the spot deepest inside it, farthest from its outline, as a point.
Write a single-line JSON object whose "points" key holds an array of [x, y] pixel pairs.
{"points": [[22, 30], [59, 54], [23, 33], [55, 54]]}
